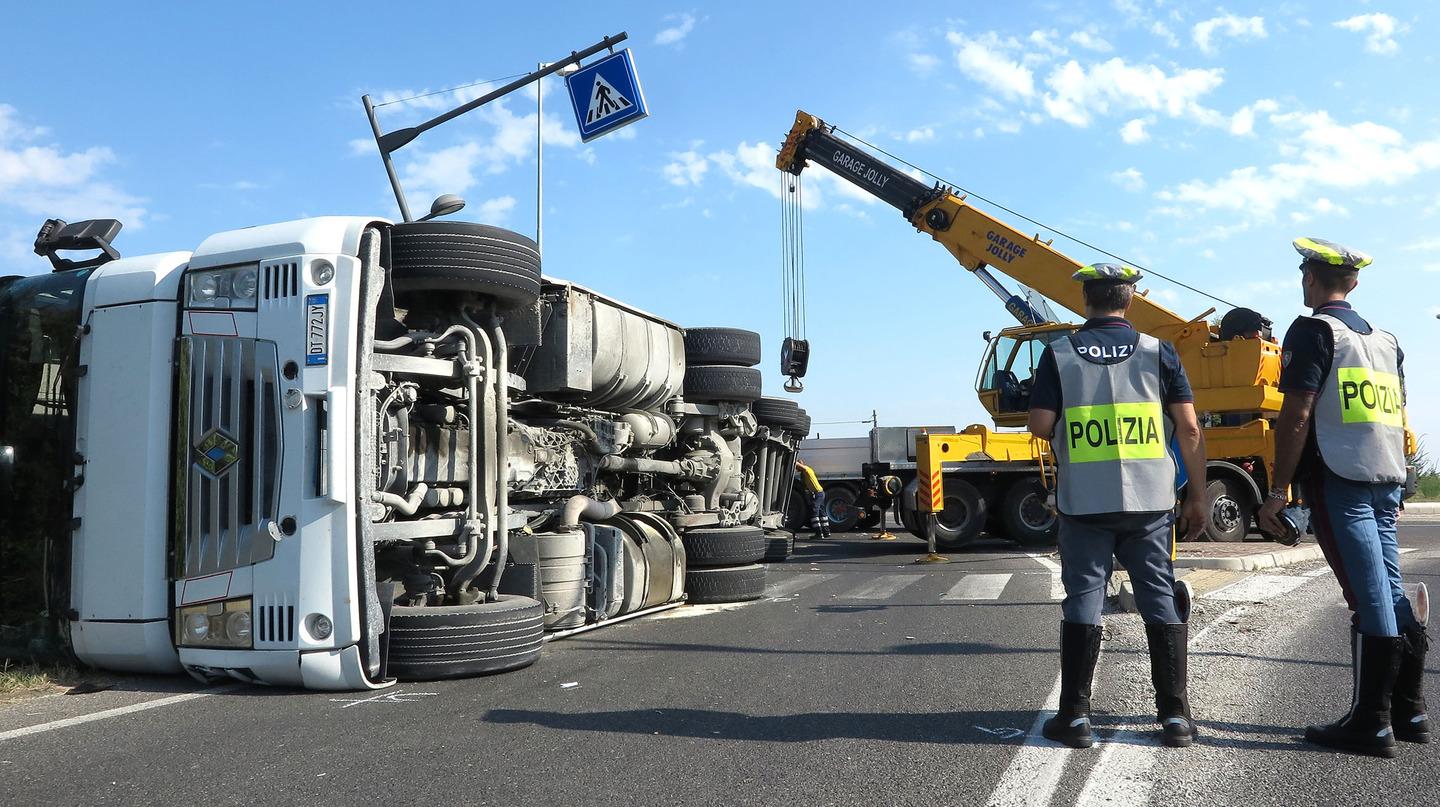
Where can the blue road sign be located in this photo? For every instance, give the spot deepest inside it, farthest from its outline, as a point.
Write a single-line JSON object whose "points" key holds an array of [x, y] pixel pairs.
{"points": [[606, 95]]}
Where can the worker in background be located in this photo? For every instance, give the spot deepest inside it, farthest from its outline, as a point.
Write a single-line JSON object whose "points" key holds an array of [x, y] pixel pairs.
{"points": [[819, 521], [1109, 399], [1340, 435]]}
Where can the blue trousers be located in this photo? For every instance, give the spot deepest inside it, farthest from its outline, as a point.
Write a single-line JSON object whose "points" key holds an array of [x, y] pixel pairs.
{"points": [[1089, 546], [1355, 527]]}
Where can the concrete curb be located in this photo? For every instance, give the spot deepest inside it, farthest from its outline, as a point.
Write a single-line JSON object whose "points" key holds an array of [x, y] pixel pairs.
{"points": [[1418, 508], [1250, 563]]}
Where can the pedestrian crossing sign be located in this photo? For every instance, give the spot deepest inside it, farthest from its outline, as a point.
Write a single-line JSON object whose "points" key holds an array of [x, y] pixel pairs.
{"points": [[606, 95]]}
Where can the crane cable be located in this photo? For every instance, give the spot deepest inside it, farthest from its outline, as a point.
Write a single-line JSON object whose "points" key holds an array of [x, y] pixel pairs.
{"points": [[1039, 224], [792, 254]]}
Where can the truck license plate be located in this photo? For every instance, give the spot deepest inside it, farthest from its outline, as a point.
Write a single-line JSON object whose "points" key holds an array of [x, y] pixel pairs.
{"points": [[317, 329]]}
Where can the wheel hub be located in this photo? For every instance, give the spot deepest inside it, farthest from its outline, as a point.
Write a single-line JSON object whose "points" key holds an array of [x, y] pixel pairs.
{"points": [[1225, 515]]}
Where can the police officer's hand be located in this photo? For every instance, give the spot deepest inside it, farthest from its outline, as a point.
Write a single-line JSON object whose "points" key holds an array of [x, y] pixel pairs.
{"points": [[1269, 517], [1192, 518]]}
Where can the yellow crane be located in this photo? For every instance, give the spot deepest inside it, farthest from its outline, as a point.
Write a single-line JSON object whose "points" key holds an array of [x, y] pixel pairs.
{"points": [[1234, 379]]}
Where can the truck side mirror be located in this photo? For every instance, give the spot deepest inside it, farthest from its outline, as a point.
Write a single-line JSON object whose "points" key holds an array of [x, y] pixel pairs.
{"points": [[7, 470]]}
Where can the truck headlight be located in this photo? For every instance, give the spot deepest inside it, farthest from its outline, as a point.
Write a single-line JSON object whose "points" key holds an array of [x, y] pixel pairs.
{"points": [[215, 624], [234, 287]]}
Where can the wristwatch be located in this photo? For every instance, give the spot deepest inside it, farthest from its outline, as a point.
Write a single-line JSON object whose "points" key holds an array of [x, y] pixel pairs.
{"points": [[1278, 494]]}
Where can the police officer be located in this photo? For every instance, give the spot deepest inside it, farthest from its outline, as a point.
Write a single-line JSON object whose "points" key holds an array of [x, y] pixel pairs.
{"points": [[1340, 435], [1109, 400], [819, 519]]}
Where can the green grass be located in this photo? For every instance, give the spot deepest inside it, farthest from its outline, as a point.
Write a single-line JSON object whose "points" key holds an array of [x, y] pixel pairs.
{"points": [[1429, 489], [19, 681]]}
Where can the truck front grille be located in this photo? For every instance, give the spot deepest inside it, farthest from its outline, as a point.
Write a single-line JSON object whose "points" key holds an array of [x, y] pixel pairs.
{"points": [[280, 280], [228, 453]]}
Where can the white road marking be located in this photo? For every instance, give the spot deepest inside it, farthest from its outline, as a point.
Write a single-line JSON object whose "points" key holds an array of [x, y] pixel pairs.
{"points": [[978, 587], [796, 583], [1320, 572], [1057, 588], [108, 713], [1030, 778], [393, 697], [1257, 588], [1122, 773], [882, 587]]}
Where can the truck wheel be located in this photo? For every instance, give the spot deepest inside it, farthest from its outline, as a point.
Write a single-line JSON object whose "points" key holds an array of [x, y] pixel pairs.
{"points": [[868, 518], [724, 546], [455, 641], [705, 383], [840, 509], [781, 546], [1026, 516], [963, 518], [465, 257], [1227, 514], [776, 412], [730, 584], [801, 427], [730, 346], [797, 513]]}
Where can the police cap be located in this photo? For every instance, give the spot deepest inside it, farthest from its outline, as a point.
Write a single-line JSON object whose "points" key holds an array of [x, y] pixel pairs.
{"points": [[1108, 271], [1328, 252]]}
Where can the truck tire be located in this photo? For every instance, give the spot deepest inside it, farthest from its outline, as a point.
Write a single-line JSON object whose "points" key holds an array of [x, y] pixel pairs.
{"points": [[781, 546], [728, 584], [780, 412], [706, 383], [724, 546], [963, 518], [729, 346], [1227, 516], [801, 427], [464, 257], [1027, 519], [840, 508], [797, 511], [455, 641]]}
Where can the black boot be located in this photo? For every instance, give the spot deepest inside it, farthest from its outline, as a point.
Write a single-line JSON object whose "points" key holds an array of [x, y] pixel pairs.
{"points": [[1407, 704], [1079, 650], [1169, 662], [1365, 729]]}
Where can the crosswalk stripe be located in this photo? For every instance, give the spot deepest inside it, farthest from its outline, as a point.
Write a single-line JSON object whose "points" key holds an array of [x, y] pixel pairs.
{"points": [[1057, 588], [796, 583], [978, 587], [882, 587]]}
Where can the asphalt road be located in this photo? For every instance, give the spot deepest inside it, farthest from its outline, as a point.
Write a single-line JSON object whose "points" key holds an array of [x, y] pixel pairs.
{"points": [[860, 679]]}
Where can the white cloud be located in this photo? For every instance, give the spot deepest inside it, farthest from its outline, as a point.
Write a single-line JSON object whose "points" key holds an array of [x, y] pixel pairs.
{"points": [[495, 211], [1320, 154], [686, 167], [44, 179], [923, 63], [1130, 179], [676, 33], [1325, 207], [986, 59], [920, 134], [1379, 30], [1134, 131], [1163, 31], [1244, 28], [753, 165], [1089, 41], [1243, 121], [1045, 40], [1078, 93]]}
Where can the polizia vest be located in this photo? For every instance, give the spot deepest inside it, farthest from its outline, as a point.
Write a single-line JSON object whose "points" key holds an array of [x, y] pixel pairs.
{"points": [[1112, 440], [1359, 410]]}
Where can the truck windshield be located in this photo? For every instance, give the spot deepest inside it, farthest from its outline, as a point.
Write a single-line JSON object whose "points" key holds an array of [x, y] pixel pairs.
{"points": [[39, 329]]}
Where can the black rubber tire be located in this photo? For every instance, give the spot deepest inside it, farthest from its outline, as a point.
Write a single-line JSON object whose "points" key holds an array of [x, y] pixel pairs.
{"points": [[868, 519], [963, 518], [781, 546], [1027, 519], [705, 383], [464, 257], [729, 346], [724, 546], [455, 641], [780, 412], [840, 507], [797, 511], [1227, 516], [801, 427], [727, 584]]}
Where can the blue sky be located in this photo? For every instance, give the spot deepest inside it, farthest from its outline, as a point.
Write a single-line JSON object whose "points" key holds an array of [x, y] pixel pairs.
{"points": [[1192, 137]]}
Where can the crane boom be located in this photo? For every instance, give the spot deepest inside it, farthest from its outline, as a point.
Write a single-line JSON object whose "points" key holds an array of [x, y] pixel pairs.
{"points": [[976, 239]]}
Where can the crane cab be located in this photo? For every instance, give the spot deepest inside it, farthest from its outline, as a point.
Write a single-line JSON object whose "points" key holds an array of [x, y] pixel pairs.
{"points": [[1008, 369]]}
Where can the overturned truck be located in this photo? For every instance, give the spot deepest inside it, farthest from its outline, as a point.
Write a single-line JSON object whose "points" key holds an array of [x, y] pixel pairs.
{"points": [[335, 452]]}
